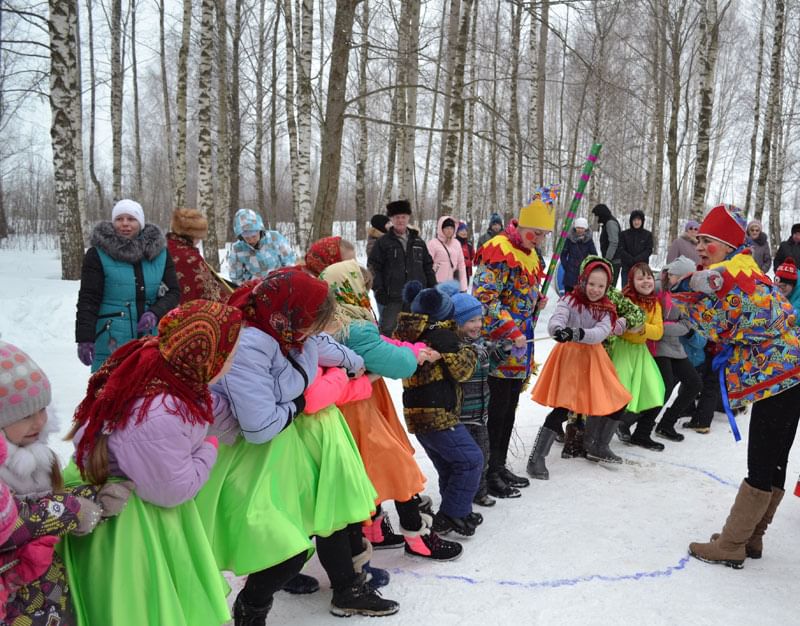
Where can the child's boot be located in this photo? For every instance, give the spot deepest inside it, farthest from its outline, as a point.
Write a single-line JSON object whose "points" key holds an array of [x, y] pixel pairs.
{"points": [[597, 437], [358, 598], [641, 436], [301, 584], [381, 534], [444, 524], [376, 577], [245, 614], [427, 544], [536, 466]]}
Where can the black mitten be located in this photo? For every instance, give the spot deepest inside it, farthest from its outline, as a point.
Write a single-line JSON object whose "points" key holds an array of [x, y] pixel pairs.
{"points": [[442, 340]]}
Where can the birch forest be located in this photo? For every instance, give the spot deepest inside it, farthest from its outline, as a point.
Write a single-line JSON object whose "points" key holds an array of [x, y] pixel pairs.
{"points": [[319, 111]]}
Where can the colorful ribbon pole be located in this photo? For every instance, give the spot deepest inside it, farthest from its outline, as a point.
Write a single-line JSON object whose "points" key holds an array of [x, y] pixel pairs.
{"points": [[586, 174]]}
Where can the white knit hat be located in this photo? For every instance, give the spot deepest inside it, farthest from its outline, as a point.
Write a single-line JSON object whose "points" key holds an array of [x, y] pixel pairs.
{"points": [[129, 207], [581, 222]]}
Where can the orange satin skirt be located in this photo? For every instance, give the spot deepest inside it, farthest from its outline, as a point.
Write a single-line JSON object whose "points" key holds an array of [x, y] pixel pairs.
{"points": [[580, 377], [385, 449]]}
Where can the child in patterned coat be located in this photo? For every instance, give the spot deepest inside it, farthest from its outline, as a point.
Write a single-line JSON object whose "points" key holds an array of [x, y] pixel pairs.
{"points": [[432, 405]]}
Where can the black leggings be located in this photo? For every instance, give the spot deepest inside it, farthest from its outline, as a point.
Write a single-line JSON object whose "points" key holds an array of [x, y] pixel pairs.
{"points": [[709, 394], [555, 418], [336, 554], [502, 409], [261, 586], [773, 424], [675, 371]]}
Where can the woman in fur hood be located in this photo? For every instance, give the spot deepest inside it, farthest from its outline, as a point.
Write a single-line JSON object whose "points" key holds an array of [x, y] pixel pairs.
{"points": [[128, 282]]}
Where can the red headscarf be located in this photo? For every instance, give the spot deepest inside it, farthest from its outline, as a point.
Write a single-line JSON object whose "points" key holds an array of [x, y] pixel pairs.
{"points": [[194, 341], [647, 302], [282, 305], [323, 253], [578, 297]]}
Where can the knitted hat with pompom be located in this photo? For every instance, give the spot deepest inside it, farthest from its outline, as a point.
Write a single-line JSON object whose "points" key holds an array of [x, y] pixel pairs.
{"points": [[24, 387]]}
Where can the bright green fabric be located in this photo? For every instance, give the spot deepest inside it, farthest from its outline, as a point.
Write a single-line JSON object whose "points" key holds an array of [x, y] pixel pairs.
{"points": [[639, 374], [149, 566], [344, 493], [255, 500]]}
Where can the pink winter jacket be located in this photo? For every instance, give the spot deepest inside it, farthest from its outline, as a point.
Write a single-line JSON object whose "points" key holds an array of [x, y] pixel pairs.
{"points": [[332, 386], [447, 256]]}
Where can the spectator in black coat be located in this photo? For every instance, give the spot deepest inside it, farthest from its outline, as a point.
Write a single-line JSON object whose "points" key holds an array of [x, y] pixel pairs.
{"points": [[636, 244], [397, 258], [609, 237], [577, 246], [789, 248]]}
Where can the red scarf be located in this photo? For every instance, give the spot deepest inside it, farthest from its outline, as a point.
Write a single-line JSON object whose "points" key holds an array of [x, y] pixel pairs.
{"points": [[323, 253], [194, 341], [283, 305], [648, 302], [578, 298]]}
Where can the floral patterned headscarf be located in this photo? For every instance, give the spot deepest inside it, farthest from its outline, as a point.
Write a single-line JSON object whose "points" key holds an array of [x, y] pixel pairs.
{"points": [[348, 287], [323, 253], [283, 304], [194, 341]]}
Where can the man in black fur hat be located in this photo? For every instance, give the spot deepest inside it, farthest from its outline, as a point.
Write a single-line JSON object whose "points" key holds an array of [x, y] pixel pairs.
{"points": [[398, 257]]}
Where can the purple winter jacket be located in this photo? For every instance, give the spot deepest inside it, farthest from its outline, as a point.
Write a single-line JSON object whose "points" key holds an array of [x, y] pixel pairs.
{"points": [[568, 316], [167, 459]]}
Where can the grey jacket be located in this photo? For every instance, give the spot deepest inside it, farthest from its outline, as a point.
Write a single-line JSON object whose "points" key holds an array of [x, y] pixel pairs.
{"points": [[675, 326]]}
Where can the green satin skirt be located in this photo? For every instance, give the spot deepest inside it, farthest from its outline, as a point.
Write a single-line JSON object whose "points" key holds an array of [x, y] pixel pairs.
{"points": [[344, 493], [639, 374], [252, 505], [149, 566]]}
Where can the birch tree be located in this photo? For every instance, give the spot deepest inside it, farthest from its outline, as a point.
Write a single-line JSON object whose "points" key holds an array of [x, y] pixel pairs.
{"points": [[541, 85], [64, 89], [709, 50], [93, 106], [756, 108], [181, 106], [165, 95], [409, 58], [223, 163], [137, 141], [456, 112], [117, 79], [363, 130], [291, 119], [258, 140], [205, 184], [235, 115], [331, 151], [772, 106], [513, 117], [304, 94]]}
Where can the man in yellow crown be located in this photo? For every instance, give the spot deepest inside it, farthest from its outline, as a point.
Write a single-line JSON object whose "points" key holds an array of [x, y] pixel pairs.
{"points": [[506, 282]]}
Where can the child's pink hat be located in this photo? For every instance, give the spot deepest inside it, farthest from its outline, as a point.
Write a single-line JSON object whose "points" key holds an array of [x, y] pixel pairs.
{"points": [[24, 387]]}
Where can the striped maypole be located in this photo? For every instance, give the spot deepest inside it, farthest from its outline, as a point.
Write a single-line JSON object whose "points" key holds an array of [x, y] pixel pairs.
{"points": [[586, 174]]}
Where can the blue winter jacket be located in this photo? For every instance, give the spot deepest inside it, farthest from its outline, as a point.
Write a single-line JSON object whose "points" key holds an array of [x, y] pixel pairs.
{"points": [[264, 387], [576, 249]]}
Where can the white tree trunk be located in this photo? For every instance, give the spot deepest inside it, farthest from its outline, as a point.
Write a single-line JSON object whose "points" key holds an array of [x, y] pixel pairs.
{"points": [[205, 183], [304, 93], [64, 89], [181, 106]]}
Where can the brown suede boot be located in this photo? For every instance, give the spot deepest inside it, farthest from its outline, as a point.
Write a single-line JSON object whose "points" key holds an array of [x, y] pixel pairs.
{"points": [[729, 548], [755, 545]]}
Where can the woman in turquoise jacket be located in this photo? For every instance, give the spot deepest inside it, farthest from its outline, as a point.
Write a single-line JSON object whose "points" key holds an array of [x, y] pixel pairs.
{"points": [[128, 282]]}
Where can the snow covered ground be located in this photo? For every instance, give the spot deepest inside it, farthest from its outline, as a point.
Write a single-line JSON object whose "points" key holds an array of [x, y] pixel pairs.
{"points": [[593, 545]]}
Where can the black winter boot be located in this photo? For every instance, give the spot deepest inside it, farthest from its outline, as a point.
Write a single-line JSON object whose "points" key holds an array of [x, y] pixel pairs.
{"points": [[359, 599], [666, 429], [301, 584], [536, 465], [598, 437], [248, 615], [444, 524], [512, 479], [500, 488], [641, 436]]}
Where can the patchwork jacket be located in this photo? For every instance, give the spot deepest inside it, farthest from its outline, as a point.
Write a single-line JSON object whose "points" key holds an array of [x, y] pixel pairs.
{"points": [[755, 323]]}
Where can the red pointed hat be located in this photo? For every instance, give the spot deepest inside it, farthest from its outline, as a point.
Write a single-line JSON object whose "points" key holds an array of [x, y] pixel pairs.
{"points": [[724, 224]]}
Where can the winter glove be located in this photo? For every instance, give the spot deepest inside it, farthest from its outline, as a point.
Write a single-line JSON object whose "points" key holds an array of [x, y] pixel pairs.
{"points": [[113, 497], [147, 322], [442, 340], [86, 352], [88, 516], [34, 559], [213, 441], [620, 326], [706, 281], [562, 335]]}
